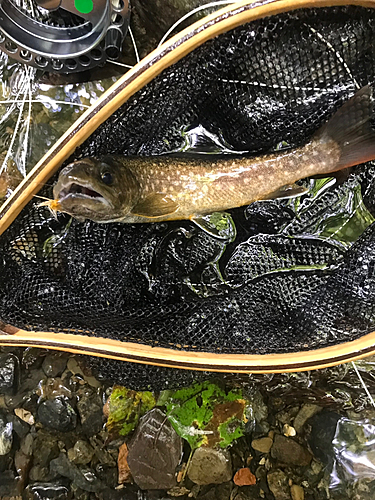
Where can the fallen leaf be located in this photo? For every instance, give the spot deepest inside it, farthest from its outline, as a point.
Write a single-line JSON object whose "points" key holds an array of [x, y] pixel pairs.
{"points": [[206, 415], [126, 407], [124, 474]]}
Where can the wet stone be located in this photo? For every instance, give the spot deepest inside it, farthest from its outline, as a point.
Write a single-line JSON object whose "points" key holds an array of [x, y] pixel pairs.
{"points": [[104, 455], [3, 463], [79, 494], [32, 357], [26, 396], [47, 491], [210, 466], [248, 493], [20, 427], [6, 435], [82, 478], [262, 444], [26, 445], [363, 489], [40, 473], [154, 452], [90, 410], [51, 388], [129, 492], [53, 365], [279, 485], [81, 453], [9, 368], [287, 451], [306, 412], [218, 492], [323, 428], [22, 465], [9, 485], [108, 475], [45, 448], [57, 414]]}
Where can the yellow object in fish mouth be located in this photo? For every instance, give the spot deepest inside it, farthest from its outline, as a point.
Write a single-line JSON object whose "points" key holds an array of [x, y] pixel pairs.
{"points": [[161, 188], [53, 205]]}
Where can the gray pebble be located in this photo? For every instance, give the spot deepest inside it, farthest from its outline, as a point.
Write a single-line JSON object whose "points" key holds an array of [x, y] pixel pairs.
{"points": [[57, 414]]}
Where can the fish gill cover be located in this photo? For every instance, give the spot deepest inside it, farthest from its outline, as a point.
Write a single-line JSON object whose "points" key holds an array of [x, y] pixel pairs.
{"points": [[300, 272]]}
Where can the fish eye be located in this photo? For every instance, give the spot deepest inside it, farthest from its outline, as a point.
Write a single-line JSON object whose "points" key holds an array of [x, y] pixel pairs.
{"points": [[107, 178]]}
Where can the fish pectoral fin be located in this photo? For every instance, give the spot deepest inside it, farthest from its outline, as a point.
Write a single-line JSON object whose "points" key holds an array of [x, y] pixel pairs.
{"points": [[287, 191], [155, 205], [220, 225]]}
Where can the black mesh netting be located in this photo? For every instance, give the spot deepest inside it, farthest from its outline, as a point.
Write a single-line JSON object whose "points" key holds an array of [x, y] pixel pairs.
{"points": [[299, 274]]}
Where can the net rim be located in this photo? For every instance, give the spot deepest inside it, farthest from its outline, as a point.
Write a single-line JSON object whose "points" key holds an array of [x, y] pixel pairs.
{"points": [[133, 81], [189, 360]]}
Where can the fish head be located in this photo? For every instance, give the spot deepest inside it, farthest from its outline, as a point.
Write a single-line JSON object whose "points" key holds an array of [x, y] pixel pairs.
{"points": [[99, 189]]}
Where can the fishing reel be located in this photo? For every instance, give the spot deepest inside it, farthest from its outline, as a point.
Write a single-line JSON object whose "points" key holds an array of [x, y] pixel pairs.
{"points": [[63, 36]]}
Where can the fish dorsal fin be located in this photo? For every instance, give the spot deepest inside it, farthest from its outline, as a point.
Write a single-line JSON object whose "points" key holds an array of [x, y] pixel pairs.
{"points": [[287, 191], [155, 205]]}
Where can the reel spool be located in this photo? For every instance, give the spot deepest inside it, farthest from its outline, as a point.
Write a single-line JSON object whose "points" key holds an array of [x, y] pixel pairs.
{"points": [[63, 36]]}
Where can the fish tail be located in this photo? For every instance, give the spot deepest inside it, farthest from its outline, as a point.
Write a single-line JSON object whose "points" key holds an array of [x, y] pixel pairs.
{"points": [[351, 128]]}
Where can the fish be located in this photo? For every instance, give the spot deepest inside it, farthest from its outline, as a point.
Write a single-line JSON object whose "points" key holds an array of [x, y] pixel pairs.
{"points": [[133, 189]]}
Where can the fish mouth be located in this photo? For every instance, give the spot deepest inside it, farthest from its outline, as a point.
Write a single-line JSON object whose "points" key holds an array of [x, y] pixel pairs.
{"points": [[75, 190]]}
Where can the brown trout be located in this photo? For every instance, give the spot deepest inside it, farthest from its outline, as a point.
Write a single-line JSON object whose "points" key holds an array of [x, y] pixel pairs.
{"points": [[161, 188]]}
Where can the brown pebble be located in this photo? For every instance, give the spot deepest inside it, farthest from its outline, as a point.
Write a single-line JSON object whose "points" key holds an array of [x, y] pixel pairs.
{"points": [[106, 409], [288, 430], [244, 477], [178, 491], [181, 474], [124, 474], [287, 451], [297, 492], [263, 444]]}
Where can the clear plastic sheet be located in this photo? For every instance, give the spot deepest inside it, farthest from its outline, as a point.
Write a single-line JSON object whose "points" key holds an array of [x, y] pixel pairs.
{"points": [[34, 115], [353, 468]]}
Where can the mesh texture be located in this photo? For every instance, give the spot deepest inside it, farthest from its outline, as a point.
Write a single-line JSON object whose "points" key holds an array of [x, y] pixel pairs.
{"points": [[299, 274]]}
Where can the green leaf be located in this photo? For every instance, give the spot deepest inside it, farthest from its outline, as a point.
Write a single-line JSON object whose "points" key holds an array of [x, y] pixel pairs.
{"points": [[348, 224], [204, 414], [126, 407]]}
